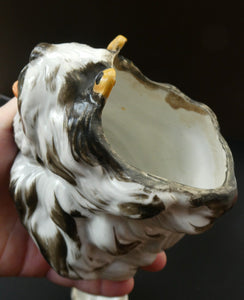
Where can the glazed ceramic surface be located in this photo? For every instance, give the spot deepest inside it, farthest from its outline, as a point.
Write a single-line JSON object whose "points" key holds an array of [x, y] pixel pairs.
{"points": [[79, 295], [112, 167]]}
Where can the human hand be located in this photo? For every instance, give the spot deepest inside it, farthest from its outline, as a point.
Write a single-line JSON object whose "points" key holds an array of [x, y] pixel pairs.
{"points": [[19, 256]]}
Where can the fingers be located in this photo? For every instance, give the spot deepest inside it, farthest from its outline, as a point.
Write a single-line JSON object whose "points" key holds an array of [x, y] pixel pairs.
{"points": [[8, 148], [158, 264], [106, 287], [7, 113], [97, 287]]}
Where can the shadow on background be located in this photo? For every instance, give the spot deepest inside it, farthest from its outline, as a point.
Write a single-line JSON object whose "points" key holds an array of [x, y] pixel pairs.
{"points": [[194, 46]]}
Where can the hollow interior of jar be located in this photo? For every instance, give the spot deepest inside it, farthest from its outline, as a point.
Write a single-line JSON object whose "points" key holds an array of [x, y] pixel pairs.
{"points": [[159, 132]]}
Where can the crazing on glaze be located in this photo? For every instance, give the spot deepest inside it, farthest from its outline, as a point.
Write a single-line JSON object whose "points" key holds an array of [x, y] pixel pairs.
{"points": [[112, 167]]}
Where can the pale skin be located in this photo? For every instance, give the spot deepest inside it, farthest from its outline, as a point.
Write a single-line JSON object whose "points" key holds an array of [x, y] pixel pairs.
{"points": [[18, 254]]}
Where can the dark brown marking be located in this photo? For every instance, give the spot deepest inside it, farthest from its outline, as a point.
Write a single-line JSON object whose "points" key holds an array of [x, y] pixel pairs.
{"points": [[58, 254], [124, 248], [77, 275], [56, 166], [19, 103], [18, 199], [38, 159], [77, 214], [86, 138], [140, 196], [217, 203], [65, 222], [176, 102], [79, 83], [156, 199], [31, 198], [54, 251], [83, 122], [142, 211], [35, 117], [102, 202]]}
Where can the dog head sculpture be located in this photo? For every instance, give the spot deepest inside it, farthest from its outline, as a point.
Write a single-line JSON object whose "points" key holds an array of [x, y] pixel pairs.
{"points": [[83, 181]]}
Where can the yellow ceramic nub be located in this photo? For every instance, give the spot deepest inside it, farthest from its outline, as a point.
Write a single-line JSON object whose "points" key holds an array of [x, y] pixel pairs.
{"points": [[105, 84], [117, 43], [15, 89]]}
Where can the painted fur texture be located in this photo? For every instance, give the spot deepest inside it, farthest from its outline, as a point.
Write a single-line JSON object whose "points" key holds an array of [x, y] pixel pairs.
{"points": [[91, 214]]}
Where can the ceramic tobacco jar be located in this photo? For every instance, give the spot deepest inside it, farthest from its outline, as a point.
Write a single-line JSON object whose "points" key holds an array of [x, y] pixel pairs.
{"points": [[113, 167]]}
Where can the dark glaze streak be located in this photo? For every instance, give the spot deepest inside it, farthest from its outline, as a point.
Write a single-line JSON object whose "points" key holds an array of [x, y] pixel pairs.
{"points": [[56, 166], [35, 117], [77, 214], [78, 125], [65, 222], [79, 83], [54, 251], [83, 122], [218, 206], [31, 198], [73, 270], [124, 248], [50, 80], [100, 150], [17, 196], [176, 102], [144, 211], [140, 196], [38, 159], [103, 203]]}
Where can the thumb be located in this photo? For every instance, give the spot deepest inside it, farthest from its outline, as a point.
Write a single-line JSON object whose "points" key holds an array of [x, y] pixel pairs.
{"points": [[7, 113], [8, 148]]}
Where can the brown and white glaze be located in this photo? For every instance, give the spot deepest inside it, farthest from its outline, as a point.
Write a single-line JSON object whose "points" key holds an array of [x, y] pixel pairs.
{"points": [[112, 170]]}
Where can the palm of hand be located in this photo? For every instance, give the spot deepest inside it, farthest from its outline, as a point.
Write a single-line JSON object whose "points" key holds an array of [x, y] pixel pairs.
{"points": [[18, 254]]}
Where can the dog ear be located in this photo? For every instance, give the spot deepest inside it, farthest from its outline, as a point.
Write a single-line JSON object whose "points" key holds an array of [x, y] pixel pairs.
{"points": [[15, 89]]}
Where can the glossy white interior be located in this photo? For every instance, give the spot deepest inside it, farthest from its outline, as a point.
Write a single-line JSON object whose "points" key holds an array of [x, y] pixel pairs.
{"points": [[176, 144]]}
